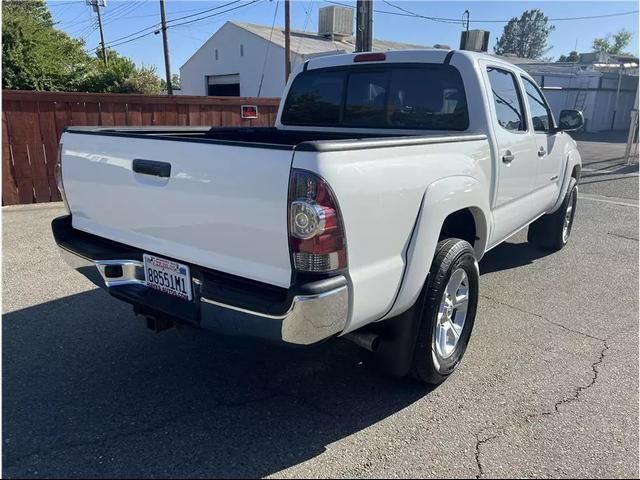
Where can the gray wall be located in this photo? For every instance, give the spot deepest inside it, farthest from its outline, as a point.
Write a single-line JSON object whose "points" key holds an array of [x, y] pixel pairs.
{"points": [[600, 101]]}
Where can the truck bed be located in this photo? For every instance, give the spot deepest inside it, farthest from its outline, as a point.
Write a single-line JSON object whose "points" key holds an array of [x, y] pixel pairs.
{"points": [[270, 137], [212, 197]]}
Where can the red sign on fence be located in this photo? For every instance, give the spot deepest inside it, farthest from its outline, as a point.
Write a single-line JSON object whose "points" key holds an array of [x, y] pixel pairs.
{"points": [[249, 111]]}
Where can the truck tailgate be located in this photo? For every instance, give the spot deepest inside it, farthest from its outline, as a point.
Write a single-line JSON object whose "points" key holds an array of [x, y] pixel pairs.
{"points": [[222, 206]]}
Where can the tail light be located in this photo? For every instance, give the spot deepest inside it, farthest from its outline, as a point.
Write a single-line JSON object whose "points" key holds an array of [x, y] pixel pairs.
{"points": [[59, 179], [316, 233]]}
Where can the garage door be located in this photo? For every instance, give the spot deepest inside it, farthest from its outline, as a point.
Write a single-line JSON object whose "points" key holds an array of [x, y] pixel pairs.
{"points": [[223, 85]]}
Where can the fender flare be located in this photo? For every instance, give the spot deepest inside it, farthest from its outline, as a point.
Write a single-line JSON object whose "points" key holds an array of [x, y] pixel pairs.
{"points": [[573, 160], [441, 198]]}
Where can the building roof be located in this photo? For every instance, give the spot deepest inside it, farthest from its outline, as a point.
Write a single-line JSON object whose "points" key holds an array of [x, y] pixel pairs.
{"points": [[308, 43]]}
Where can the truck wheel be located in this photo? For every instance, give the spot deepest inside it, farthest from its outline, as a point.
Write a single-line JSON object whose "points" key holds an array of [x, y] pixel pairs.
{"points": [[552, 231], [447, 313]]}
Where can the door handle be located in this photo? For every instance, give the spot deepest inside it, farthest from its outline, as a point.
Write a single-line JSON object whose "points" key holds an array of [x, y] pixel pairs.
{"points": [[507, 157], [152, 167], [542, 152]]}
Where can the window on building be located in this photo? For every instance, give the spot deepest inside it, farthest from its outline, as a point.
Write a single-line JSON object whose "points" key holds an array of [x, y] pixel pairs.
{"points": [[507, 99], [216, 54], [242, 50], [540, 112]]}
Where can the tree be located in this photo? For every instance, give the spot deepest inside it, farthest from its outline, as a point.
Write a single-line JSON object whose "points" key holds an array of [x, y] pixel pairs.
{"points": [[110, 77], [144, 80], [35, 55], [35, 8], [120, 75], [526, 36], [621, 41], [572, 57], [175, 82]]}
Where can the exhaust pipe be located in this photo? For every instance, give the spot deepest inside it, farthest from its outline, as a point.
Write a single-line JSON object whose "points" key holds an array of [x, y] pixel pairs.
{"points": [[367, 340]]}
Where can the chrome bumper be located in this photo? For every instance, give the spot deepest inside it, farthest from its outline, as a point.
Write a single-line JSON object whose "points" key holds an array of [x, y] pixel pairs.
{"points": [[310, 318]]}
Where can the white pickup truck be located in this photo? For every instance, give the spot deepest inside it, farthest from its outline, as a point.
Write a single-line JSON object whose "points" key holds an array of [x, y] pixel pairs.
{"points": [[362, 214]]}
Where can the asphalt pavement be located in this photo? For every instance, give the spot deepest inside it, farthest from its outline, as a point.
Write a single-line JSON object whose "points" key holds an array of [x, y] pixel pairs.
{"points": [[548, 387]]}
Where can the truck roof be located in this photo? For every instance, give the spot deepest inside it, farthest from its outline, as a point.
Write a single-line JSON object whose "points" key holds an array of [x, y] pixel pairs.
{"points": [[424, 55]]}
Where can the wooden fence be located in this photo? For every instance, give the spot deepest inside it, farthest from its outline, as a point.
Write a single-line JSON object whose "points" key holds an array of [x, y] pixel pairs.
{"points": [[32, 123]]}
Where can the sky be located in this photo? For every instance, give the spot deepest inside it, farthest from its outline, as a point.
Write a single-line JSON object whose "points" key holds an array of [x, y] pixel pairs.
{"points": [[122, 18]]}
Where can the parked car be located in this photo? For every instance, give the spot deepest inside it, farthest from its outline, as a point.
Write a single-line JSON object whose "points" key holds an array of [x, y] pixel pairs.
{"points": [[363, 213]]}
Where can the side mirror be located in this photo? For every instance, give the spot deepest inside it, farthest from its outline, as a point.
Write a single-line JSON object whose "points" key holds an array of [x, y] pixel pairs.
{"points": [[570, 120]]}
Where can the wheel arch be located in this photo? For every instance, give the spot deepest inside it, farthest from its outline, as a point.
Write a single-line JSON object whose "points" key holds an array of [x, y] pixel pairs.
{"points": [[573, 169], [445, 202]]}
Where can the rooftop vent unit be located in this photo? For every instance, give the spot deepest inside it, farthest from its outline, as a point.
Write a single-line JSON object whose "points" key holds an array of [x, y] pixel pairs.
{"points": [[474, 40], [335, 22]]}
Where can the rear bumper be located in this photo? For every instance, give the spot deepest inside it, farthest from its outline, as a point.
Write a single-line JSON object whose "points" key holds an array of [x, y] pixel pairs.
{"points": [[301, 315]]}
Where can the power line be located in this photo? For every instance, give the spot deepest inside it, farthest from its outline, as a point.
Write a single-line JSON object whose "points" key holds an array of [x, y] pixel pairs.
{"points": [[435, 19], [219, 13], [507, 21], [117, 8], [61, 4], [177, 11], [205, 11], [306, 21], [409, 13], [266, 55], [155, 27], [84, 31], [124, 12]]}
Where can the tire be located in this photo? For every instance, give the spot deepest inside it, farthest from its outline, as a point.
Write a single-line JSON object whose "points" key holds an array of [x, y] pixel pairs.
{"points": [[552, 231], [439, 350]]}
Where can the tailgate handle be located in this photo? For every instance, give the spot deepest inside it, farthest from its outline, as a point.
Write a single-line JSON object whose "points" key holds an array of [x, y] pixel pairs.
{"points": [[152, 167]]}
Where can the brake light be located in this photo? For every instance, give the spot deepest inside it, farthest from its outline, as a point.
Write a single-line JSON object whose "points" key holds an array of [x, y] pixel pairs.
{"points": [[316, 234], [370, 57]]}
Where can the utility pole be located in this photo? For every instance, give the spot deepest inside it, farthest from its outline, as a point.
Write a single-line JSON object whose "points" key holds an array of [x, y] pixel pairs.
{"points": [[96, 4], [165, 41], [287, 41], [364, 26]]}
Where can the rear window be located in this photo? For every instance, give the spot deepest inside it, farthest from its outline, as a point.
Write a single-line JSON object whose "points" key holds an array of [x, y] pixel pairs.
{"points": [[424, 97]]}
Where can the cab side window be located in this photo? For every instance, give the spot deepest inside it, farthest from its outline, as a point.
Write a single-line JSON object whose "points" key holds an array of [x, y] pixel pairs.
{"points": [[540, 112], [507, 99]]}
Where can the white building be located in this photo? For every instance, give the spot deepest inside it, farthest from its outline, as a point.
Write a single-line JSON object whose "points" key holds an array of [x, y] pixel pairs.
{"points": [[247, 60]]}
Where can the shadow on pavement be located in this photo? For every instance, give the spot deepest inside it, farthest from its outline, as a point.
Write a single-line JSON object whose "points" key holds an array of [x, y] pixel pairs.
{"points": [[510, 255], [89, 392]]}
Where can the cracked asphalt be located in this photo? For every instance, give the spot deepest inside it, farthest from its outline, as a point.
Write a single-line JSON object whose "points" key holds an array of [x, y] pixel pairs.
{"points": [[548, 387]]}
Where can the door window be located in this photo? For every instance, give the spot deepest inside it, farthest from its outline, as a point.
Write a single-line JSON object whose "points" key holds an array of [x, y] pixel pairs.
{"points": [[507, 99], [540, 112]]}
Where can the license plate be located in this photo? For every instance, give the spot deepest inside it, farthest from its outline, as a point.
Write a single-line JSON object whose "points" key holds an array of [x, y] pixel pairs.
{"points": [[167, 276]]}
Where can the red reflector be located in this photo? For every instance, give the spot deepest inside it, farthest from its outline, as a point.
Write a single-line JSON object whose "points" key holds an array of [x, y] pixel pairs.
{"points": [[370, 57]]}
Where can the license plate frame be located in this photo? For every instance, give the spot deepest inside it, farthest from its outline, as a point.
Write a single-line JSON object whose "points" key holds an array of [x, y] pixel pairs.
{"points": [[167, 276]]}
